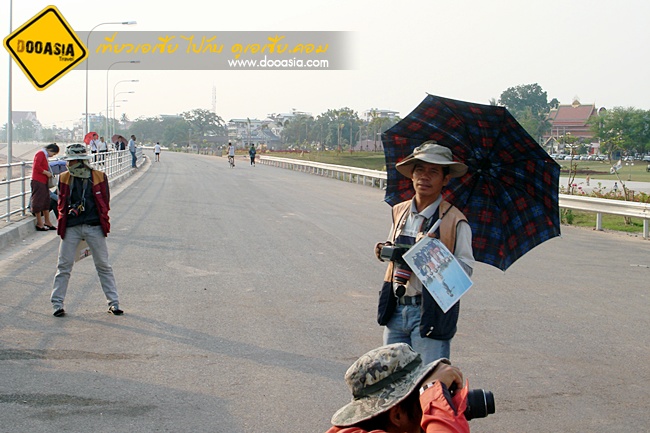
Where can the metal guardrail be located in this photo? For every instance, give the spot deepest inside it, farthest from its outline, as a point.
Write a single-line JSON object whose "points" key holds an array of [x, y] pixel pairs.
{"points": [[602, 206], [340, 172], [599, 206], [16, 201]]}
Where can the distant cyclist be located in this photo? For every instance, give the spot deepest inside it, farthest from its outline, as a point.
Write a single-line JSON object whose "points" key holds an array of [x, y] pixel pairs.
{"points": [[231, 155]]}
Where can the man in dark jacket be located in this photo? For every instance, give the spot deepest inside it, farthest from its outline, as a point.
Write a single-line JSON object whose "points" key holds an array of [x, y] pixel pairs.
{"points": [[83, 215]]}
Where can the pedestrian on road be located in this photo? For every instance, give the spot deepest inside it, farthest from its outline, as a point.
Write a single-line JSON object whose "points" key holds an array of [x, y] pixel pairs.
{"points": [[132, 150], [41, 174], [615, 188], [231, 155], [394, 391], [409, 313], [251, 153], [156, 151], [83, 215]]}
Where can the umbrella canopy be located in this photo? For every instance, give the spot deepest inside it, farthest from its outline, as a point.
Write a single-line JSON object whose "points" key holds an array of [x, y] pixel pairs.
{"points": [[510, 192], [88, 137], [117, 138]]}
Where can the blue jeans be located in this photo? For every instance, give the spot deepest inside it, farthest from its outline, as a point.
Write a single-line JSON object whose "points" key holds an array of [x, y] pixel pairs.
{"points": [[67, 249], [133, 160], [404, 327]]}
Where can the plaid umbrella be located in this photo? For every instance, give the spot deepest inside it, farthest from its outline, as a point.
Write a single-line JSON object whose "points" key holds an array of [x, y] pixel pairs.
{"points": [[510, 192]]}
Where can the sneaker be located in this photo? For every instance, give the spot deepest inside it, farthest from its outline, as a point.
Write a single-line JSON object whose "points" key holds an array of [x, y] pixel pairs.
{"points": [[59, 313], [114, 309]]}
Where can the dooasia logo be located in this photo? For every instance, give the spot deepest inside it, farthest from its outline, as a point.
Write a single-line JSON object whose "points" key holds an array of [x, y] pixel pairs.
{"points": [[45, 48]]}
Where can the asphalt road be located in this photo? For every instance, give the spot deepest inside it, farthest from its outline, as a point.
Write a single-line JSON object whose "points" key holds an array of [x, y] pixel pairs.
{"points": [[249, 291]]}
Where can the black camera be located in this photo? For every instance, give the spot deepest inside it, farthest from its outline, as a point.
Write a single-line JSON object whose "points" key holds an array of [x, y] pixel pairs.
{"points": [[402, 272], [480, 403], [76, 209], [393, 253]]}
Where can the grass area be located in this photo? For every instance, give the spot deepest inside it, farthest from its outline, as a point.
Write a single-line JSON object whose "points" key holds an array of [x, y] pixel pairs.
{"points": [[597, 170], [610, 222], [368, 160]]}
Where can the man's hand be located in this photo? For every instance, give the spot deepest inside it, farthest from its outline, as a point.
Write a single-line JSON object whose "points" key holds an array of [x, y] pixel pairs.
{"points": [[446, 374], [378, 247]]}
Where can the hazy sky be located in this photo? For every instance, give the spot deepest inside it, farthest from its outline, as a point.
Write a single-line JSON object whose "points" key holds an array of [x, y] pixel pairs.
{"points": [[471, 50]]}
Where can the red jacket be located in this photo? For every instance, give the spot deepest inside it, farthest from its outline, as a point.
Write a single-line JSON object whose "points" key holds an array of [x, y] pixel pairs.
{"points": [[40, 164], [100, 193], [437, 415]]}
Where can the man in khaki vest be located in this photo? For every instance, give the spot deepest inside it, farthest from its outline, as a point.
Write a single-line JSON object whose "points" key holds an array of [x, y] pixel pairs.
{"points": [[406, 309]]}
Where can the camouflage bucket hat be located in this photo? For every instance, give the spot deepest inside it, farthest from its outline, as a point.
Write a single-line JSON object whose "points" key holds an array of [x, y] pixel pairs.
{"points": [[76, 151], [379, 380]]}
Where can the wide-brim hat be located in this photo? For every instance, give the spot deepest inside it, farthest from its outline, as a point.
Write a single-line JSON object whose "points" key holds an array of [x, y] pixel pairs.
{"points": [[433, 153], [381, 379], [76, 151]]}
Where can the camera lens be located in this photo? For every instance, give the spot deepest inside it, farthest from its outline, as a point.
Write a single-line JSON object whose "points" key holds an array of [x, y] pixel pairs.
{"points": [[480, 404]]}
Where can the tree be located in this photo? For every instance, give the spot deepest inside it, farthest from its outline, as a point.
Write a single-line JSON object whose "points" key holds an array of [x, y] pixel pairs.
{"points": [[147, 129], [25, 131], [204, 123], [529, 105], [624, 130], [175, 131]]}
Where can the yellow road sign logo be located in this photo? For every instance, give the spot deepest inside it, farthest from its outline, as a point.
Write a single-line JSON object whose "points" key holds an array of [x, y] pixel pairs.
{"points": [[45, 48]]}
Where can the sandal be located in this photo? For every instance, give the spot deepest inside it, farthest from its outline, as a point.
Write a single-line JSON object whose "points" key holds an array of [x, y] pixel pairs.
{"points": [[50, 227], [42, 229]]}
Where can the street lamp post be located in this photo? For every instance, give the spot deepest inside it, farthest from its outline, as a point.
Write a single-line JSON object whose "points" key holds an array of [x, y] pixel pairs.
{"points": [[126, 23], [107, 71], [114, 87], [115, 107]]}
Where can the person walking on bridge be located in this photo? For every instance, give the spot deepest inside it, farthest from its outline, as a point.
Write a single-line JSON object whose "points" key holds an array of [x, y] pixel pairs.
{"points": [[83, 215]]}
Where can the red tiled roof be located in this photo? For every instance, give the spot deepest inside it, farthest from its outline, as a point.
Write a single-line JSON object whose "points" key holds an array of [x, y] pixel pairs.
{"points": [[567, 115]]}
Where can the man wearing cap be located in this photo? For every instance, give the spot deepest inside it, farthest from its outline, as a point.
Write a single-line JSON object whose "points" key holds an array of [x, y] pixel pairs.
{"points": [[394, 391], [83, 215], [409, 313]]}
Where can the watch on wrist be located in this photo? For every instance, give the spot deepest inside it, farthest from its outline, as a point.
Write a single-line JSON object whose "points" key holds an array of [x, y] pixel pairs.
{"points": [[427, 386]]}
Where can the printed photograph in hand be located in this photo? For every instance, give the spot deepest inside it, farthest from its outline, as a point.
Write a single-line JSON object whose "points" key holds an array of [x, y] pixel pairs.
{"points": [[439, 271]]}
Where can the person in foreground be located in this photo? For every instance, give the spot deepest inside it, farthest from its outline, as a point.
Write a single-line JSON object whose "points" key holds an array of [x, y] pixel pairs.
{"points": [[409, 313], [83, 215], [393, 391]]}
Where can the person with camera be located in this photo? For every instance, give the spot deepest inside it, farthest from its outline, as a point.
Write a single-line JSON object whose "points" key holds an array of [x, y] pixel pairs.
{"points": [[394, 391], [83, 215], [407, 309]]}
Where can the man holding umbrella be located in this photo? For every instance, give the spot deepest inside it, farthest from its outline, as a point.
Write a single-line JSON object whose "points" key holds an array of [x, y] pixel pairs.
{"points": [[406, 309]]}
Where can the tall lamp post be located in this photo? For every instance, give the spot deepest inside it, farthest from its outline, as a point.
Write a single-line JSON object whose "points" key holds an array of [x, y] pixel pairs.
{"points": [[125, 23], [115, 86], [115, 107], [107, 71], [9, 121]]}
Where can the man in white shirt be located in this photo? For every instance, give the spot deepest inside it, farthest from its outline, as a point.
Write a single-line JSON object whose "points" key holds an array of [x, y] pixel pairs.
{"points": [[231, 154], [156, 152]]}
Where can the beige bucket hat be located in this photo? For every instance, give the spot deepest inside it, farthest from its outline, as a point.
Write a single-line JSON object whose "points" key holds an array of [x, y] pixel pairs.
{"points": [[431, 152]]}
